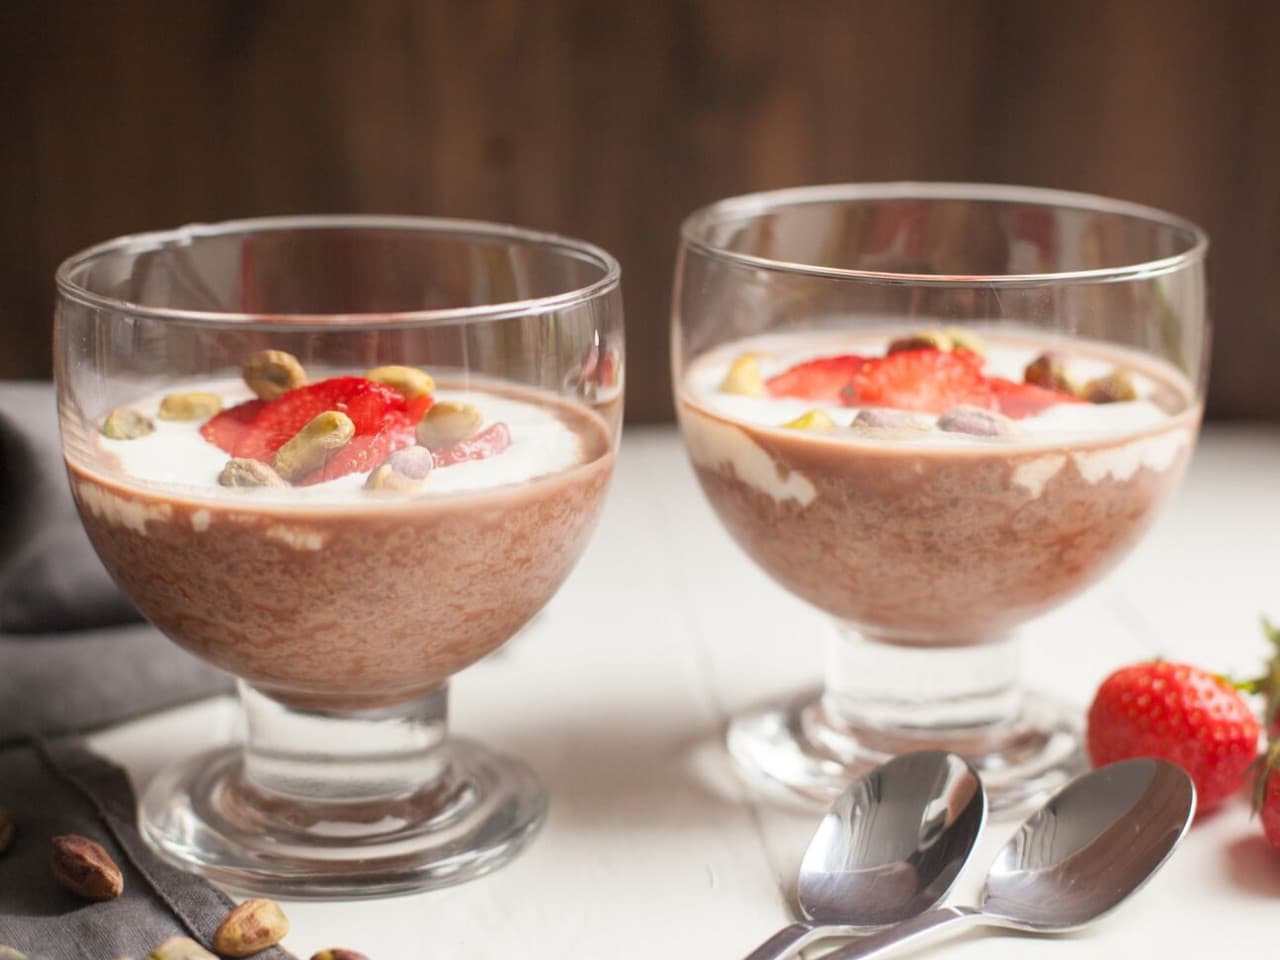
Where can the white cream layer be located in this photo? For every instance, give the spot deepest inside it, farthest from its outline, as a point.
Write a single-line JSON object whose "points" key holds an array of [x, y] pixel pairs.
{"points": [[1065, 423], [1091, 436], [176, 455]]}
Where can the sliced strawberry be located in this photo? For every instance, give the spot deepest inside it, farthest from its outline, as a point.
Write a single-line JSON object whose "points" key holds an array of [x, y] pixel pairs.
{"points": [[929, 381], [487, 443], [823, 380], [415, 409], [226, 428], [1021, 400], [365, 402]]}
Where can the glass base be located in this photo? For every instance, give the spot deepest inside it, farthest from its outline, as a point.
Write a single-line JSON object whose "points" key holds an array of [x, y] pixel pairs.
{"points": [[804, 750], [202, 816]]}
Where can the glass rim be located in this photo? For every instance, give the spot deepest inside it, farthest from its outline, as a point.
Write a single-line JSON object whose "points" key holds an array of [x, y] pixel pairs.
{"points": [[753, 205], [611, 271]]}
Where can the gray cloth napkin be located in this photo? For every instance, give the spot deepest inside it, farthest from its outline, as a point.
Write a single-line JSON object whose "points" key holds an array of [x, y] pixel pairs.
{"points": [[74, 657], [50, 578], [55, 787], [66, 663]]}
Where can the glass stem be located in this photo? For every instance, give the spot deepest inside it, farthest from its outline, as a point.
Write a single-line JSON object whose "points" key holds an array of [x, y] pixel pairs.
{"points": [[876, 689], [361, 756]]}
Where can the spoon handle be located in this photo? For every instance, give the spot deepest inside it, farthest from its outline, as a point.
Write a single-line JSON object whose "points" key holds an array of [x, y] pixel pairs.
{"points": [[909, 931], [783, 943]]}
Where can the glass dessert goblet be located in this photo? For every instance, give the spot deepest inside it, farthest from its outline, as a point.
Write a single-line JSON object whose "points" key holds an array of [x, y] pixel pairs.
{"points": [[934, 412], [341, 458]]}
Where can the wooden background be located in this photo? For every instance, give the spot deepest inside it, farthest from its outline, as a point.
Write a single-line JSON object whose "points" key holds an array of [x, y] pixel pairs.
{"points": [[611, 120]]}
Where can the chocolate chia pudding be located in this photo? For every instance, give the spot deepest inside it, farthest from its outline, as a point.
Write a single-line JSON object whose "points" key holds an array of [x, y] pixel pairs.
{"points": [[914, 530], [333, 595]]}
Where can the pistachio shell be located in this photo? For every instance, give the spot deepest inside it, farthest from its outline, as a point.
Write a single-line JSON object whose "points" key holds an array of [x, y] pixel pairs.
{"points": [[84, 867], [192, 405], [1049, 370], [244, 472], [744, 377], [977, 422], [125, 424], [405, 471], [308, 449], [270, 373], [810, 420], [409, 382], [1116, 387], [447, 422], [252, 926]]}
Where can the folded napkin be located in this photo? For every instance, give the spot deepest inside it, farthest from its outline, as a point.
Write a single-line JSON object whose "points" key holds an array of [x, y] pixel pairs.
{"points": [[74, 657], [56, 787], [50, 578]]}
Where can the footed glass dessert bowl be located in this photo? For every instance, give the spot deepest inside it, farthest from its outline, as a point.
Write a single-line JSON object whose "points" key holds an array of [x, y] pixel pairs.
{"points": [[343, 459], [934, 412]]}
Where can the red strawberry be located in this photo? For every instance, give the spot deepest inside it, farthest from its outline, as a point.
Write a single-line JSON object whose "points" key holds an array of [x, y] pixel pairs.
{"points": [[226, 428], [1019, 400], [929, 381], [384, 423], [1266, 794], [487, 443], [1178, 713], [823, 380], [365, 402]]}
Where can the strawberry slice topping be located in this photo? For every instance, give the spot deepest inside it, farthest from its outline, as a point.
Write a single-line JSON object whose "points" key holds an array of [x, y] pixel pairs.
{"points": [[384, 423], [1021, 400], [928, 381], [824, 380], [487, 443], [226, 428]]}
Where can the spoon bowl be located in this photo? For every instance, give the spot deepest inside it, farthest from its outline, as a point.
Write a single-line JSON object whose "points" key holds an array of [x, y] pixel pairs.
{"points": [[1092, 846], [889, 848]]}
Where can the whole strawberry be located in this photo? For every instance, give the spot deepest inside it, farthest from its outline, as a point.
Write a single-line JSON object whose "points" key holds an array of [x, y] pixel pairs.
{"points": [[1266, 795], [1179, 713]]}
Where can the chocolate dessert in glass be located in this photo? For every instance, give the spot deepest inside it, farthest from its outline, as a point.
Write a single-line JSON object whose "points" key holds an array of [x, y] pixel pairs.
{"points": [[341, 458], [934, 412]]}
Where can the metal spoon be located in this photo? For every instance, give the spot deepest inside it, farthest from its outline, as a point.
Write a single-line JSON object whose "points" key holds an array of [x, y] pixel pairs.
{"points": [[1078, 858], [889, 848]]}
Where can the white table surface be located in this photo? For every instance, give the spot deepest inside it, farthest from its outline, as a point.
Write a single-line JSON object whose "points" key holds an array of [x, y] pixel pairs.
{"points": [[618, 695]]}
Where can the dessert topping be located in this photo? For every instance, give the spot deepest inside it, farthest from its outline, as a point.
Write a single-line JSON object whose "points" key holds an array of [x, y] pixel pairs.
{"points": [[251, 927], [270, 373], [243, 472], [811, 420], [487, 443], [824, 380], [404, 471], [1021, 400], [977, 422], [311, 446], [744, 378], [84, 867], [928, 381], [410, 382], [446, 423], [886, 424], [192, 405], [953, 338], [1115, 387], [125, 424], [1049, 370]]}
